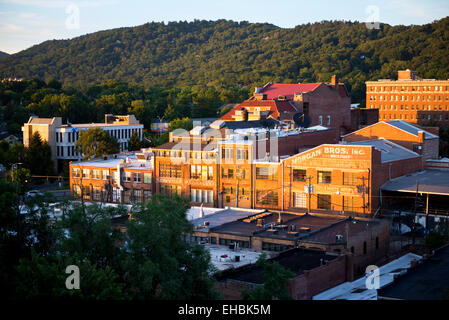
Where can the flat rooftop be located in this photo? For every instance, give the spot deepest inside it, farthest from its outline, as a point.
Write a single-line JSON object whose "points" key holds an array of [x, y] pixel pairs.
{"points": [[357, 290], [431, 181], [247, 226], [390, 151], [427, 281], [303, 226], [112, 162], [222, 217], [297, 260], [343, 228], [224, 258]]}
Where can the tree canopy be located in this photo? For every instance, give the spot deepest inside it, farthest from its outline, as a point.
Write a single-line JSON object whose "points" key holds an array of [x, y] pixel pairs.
{"points": [[95, 142]]}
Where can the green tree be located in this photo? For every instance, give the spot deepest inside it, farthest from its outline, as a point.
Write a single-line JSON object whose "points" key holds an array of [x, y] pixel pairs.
{"points": [[160, 265], [276, 282], [96, 142], [134, 142], [38, 156], [184, 123]]}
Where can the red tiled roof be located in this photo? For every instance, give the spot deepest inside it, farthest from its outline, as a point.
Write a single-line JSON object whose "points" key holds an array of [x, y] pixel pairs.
{"points": [[276, 107], [274, 90]]}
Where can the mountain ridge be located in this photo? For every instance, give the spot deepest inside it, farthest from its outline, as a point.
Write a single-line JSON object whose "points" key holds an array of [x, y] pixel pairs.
{"points": [[223, 53]]}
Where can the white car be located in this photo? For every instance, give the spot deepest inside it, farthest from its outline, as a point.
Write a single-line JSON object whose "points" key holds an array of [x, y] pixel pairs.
{"points": [[33, 193]]}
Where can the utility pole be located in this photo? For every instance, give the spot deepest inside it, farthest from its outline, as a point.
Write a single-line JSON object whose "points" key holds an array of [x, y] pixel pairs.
{"points": [[309, 191], [363, 195], [414, 213]]}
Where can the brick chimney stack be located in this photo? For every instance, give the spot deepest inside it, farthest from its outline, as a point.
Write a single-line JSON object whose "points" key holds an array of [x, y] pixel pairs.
{"points": [[334, 80]]}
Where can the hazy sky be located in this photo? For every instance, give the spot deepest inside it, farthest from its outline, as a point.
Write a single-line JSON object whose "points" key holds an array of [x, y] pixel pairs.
{"points": [[24, 23]]}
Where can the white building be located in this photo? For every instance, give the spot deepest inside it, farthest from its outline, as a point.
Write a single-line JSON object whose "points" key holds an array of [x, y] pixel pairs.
{"points": [[62, 138]]}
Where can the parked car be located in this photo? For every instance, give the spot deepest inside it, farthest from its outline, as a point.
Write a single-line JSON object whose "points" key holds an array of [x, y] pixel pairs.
{"points": [[33, 193]]}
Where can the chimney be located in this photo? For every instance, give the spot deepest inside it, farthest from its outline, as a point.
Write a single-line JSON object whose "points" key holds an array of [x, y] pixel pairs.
{"points": [[334, 80]]}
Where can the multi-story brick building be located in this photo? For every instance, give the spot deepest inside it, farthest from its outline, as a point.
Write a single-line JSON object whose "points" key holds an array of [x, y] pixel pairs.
{"points": [[410, 98], [117, 179], [403, 133], [276, 168], [216, 167], [325, 104]]}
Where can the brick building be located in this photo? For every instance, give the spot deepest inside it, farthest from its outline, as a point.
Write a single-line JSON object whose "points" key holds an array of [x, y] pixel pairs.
{"points": [[315, 271], [325, 104], [117, 179], [367, 240], [403, 133], [410, 98]]}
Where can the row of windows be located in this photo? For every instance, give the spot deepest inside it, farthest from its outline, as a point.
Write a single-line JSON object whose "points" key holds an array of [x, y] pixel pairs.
{"points": [[169, 170], [349, 178], [406, 98], [201, 172], [267, 197], [405, 88], [105, 175], [186, 154], [413, 107], [71, 152], [100, 194], [267, 246], [268, 173], [436, 117], [202, 196]]}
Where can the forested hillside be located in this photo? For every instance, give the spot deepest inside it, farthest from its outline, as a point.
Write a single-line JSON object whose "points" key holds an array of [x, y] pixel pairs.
{"points": [[225, 53]]}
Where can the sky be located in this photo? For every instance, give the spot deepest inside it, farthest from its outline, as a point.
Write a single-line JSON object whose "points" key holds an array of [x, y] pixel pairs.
{"points": [[24, 23]]}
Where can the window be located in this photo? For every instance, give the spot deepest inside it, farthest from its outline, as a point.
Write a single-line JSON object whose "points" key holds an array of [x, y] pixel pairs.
{"points": [[169, 170], [96, 194], [86, 192], [146, 195], [348, 203], [227, 173], [267, 197], [127, 176], [320, 120], [201, 196], [136, 177], [349, 179], [324, 201], [228, 154], [76, 173], [328, 120], [299, 175], [170, 190], [105, 174], [299, 200], [324, 176], [86, 173], [137, 196], [96, 174], [147, 177], [267, 173], [116, 195], [242, 154], [201, 172], [267, 246]]}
